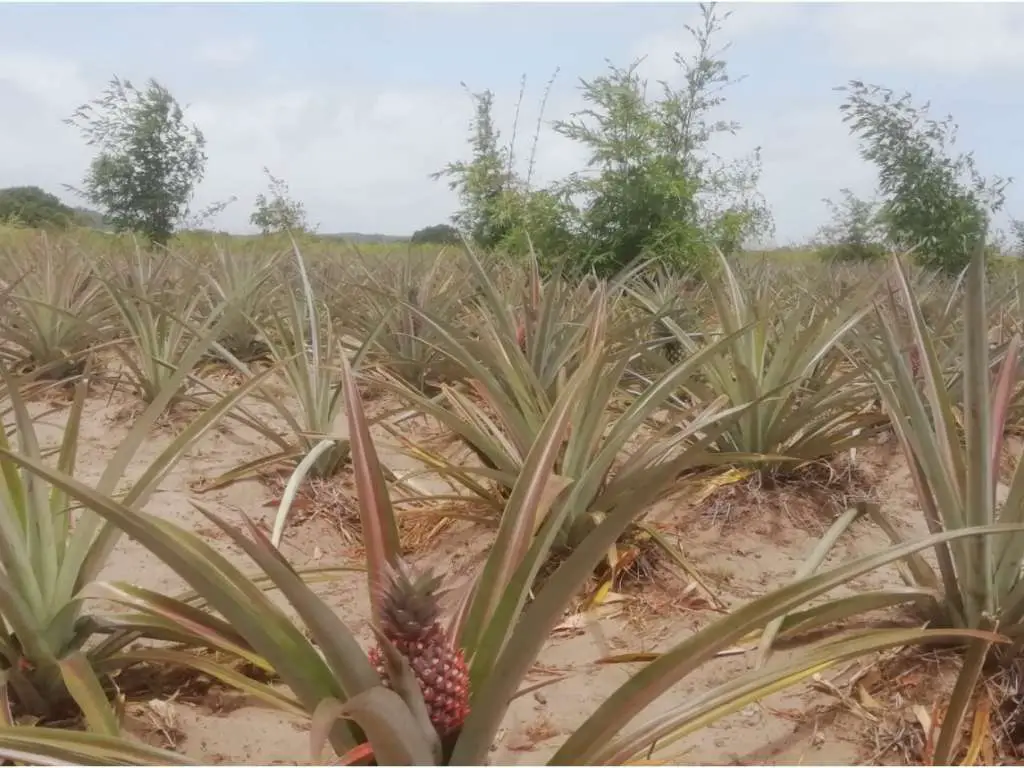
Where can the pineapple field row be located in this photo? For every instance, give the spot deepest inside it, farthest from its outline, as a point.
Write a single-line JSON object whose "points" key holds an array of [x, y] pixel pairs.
{"points": [[268, 501]]}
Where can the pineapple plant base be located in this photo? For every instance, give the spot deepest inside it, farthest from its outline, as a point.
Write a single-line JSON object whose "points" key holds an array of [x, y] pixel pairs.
{"points": [[247, 350], [57, 371], [807, 497], [409, 620]]}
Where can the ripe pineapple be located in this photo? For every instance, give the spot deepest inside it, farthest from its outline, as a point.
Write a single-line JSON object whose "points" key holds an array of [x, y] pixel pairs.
{"points": [[409, 620]]}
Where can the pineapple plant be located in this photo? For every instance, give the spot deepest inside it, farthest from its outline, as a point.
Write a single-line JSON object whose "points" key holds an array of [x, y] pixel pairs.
{"points": [[328, 674], [408, 619]]}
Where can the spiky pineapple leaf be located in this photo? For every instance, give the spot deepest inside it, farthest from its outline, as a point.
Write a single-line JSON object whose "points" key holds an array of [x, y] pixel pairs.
{"points": [[615, 713], [723, 700], [37, 745], [393, 732]]}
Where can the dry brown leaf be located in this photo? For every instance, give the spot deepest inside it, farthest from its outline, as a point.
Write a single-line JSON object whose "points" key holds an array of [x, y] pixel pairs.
{"points": [[866, 700]]}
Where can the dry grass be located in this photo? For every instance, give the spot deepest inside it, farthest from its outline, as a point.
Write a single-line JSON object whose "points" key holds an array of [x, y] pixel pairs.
{"points": [[808, 498]]}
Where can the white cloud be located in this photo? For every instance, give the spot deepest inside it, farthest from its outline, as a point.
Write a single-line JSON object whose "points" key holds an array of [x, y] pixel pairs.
{"points": [[52, 81], [357, 159], [937, 38], [226, 52], [37, 148], [808, 155], [361, 158], [739, 23], [759, 20]]}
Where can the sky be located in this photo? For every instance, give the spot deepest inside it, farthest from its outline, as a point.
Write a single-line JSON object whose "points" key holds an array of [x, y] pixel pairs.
{"points": [[355, 105]]}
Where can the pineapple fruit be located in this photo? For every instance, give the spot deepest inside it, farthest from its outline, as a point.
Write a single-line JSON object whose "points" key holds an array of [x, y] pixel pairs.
{"points": [[673, 352], [409, 620], [672, 349]]}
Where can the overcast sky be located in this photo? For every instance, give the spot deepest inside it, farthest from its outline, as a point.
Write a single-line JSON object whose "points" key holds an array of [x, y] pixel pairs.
{"points": [[355, 105]]}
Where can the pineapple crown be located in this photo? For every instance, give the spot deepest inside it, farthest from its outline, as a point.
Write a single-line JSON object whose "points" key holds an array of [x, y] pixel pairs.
{"points": [[404, 590], [401, 575]]}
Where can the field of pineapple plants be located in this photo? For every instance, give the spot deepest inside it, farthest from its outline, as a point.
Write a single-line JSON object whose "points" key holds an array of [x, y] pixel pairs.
{"points": [[273, 502]]}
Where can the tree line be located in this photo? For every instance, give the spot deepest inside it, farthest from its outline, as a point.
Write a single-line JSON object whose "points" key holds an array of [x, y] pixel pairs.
{"points": [[651, 188]]}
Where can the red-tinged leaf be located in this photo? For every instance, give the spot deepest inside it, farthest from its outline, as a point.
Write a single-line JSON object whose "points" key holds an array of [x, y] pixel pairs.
{"points": [[518, 522], [380, 531], [189, 618], [85, 688], [387, 722], [358, 755], [266, 693], [347, 661]]}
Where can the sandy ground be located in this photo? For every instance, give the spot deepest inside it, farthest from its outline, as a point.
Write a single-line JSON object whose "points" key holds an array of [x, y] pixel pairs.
{"points": [[741, 549]]}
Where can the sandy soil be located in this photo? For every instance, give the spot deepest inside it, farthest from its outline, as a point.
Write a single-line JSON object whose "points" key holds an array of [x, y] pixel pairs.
{"points": [[740, 548]]}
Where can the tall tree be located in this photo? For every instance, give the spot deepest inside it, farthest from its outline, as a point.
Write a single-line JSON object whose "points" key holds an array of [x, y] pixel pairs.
{"points": [[933, 200], [149, 160], [654, 187], [483, 182]]}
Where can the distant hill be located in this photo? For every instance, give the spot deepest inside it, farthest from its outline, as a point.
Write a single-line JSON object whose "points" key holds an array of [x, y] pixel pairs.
{"points": [[91, 218], [359, 237], [349, 237], [32, 206]]}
